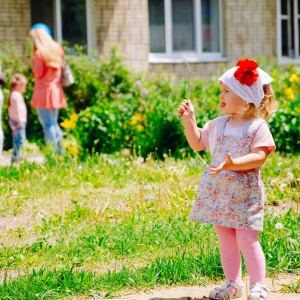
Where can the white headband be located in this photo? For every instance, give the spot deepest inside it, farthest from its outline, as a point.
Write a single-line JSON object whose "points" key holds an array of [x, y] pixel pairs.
{"points": [[251, 94]]}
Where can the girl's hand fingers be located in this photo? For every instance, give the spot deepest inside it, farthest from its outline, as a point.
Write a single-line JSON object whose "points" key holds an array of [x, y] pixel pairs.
{"points": [[214, 171], [182, 108], [223, 166], [229, 158]]}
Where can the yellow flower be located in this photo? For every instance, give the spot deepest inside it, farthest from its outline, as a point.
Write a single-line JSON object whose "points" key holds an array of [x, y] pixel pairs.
{"points": [[68, 124], [107, 121], [289, 93], [72, 124], [64, 124], [63, 144], [73, 150], [294, 78], [74, 117], [139, 117], [133, 121], [127, 137], [140, 127], [88, 115], [112, 136]]}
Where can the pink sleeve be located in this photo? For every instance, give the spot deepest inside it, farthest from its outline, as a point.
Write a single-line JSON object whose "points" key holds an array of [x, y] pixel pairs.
{"points": [[205, 131], [263, 138], [38, 65], [15, 105]]}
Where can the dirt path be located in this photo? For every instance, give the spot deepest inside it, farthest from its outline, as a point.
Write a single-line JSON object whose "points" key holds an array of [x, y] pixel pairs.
{"points": [[201, 293], [5, 159]]}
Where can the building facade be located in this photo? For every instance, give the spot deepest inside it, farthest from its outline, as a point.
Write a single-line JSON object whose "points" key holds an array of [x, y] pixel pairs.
{"points": [[164, 34]]}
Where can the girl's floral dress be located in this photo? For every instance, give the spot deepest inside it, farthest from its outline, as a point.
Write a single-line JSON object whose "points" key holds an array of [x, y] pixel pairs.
{"points": [[231, 198]]}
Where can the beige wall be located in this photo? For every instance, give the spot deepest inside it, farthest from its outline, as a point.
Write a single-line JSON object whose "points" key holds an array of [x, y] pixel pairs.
{"points": [[123, 23], [14, 22], [249, 29]]}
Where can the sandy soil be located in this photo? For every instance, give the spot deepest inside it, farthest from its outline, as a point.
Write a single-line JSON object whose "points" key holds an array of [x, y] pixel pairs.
{"points": [[201, 293], [5, 159]]}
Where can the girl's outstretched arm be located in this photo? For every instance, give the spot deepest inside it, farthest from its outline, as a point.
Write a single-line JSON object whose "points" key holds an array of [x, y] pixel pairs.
{"points": [[192, 132], [252, 160]]}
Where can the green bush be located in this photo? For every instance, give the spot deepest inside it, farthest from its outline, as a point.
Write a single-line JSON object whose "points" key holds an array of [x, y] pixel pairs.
{"points": [[118, 108], [285, 123]]}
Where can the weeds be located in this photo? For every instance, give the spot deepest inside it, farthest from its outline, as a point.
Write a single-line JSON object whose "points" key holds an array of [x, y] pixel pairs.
{"points": [[115, 223]]}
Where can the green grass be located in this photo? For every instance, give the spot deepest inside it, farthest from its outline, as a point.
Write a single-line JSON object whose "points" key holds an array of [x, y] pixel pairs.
{"points": [[113, 224]]}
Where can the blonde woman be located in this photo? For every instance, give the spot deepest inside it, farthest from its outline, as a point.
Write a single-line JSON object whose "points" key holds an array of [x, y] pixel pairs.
{"points": [[48, 96]]}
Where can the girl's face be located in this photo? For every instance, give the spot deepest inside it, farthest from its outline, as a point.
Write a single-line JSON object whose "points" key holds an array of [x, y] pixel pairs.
{"points": [[230, 102]]}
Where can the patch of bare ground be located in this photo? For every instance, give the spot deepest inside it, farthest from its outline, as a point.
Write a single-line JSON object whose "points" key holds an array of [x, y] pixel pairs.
{"points": [[275, 284], [32, 214], [282, 207]]}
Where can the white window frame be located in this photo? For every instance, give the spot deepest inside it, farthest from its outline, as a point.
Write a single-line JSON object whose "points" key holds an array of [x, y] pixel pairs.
{"points": [[285, 59], [187, 56], [58, 22]]}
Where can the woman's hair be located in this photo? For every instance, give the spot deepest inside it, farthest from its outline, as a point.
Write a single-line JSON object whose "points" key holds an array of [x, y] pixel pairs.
{"points": [[16, 80], [267, 106], [50, 49]]}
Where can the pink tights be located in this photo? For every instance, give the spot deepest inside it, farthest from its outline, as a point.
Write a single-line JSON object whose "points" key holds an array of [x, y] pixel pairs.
{"points": [[232, 242]]}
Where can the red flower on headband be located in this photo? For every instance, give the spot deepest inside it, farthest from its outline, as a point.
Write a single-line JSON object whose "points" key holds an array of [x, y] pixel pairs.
{"points": [[246, 73]]}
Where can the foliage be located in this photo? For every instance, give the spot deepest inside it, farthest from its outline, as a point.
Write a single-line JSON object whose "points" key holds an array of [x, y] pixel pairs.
{"points": [[119, 108], [285, 124]]}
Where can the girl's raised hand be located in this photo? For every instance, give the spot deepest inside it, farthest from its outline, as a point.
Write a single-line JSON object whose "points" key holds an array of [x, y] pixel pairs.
{"points": [[226, 165], [186, 108]]}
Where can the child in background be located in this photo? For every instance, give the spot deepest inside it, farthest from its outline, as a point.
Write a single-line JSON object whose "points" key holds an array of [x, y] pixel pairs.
{"points": [[231, 193], [17, 114]]}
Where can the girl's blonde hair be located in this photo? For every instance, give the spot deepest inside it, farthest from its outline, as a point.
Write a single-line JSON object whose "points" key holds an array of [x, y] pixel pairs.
{"points": [[267, 106], [16, 80], [50, 49]]}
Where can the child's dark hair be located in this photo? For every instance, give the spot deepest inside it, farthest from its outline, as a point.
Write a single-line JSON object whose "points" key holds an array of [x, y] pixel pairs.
{"points": [[2, 77], [16, 80]]}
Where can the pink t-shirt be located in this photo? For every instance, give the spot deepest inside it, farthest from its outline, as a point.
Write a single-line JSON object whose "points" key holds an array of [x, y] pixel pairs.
{"points": [[262, 137], [48, 92], [17, 110]]}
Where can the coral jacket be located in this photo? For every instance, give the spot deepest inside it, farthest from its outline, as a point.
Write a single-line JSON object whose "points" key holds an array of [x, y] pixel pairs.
{"points": [[48, 92]]}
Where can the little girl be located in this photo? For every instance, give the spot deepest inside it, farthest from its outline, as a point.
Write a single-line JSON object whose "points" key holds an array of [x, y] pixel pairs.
{"points": [[17, 114], [231, 193]]}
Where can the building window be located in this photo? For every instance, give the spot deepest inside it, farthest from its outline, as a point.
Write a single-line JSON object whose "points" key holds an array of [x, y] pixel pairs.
{"points": [[185, 28], [288, 21], [66, 18]]}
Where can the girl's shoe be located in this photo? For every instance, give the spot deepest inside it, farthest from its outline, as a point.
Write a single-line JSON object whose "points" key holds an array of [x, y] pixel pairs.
{"points": [[258, 291], [224, 293]]}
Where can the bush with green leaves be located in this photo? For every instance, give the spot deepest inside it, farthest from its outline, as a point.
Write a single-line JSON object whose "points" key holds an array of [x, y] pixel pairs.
{"points": [[119, 108]]}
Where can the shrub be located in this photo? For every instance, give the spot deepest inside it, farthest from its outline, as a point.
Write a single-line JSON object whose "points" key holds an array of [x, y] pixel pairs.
{"points": [[119, 108]]}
